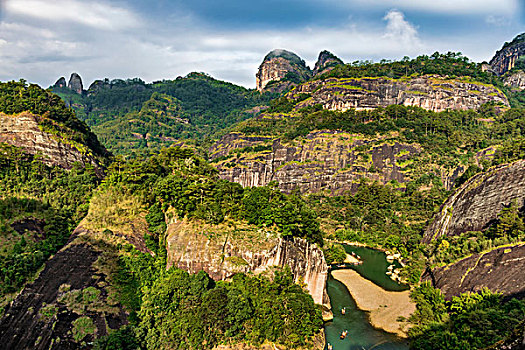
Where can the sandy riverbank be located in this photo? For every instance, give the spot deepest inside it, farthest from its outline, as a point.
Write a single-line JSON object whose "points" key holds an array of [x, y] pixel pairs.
{"points": [[350, 259], [384, 306]]}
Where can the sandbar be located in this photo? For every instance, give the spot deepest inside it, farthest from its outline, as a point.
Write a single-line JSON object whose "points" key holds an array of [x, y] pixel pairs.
{"points": [[384, 306]]}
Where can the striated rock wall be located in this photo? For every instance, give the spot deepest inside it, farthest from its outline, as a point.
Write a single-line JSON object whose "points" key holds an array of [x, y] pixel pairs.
{"points": [[224, 251], [277, 65], [23, 131], [434, 93], [499, 270], [515, 80], [323, 161], [506, 58], [479, 201]]}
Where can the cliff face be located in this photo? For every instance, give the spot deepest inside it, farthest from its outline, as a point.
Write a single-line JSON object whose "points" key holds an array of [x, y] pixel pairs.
{"points": [[515, 80], [60, 83], [325, 62], [45, 312], [326, 161], [479, 201], [284, 66], [506, 58], [23, 130], [224, 251], [75, 83], [499, 270], [434, 93]]}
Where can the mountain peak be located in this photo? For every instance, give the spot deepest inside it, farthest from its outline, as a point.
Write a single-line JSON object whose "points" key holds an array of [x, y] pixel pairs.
{"points": [[282, 66], [326, 61]]}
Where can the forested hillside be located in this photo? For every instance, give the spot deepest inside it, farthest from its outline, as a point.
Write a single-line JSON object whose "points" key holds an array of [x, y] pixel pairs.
{"points": [[131, 115]]}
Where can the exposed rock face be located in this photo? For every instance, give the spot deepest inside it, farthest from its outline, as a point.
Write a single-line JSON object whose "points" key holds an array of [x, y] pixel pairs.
{"points": [[75, 83], [434, 93], [325, 62], [23, 131], [222, 252], [325, 161], [71, 270], [499, 270], [60, 83], [506, 58], [515, 80], [478, 201], [281, 66]]}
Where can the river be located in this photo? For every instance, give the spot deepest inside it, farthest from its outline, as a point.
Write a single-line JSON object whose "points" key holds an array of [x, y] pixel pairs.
{"points": [[361, 334]]}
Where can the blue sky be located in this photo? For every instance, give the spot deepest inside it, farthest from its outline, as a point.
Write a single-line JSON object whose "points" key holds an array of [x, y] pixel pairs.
{"points": [[41, 40]]}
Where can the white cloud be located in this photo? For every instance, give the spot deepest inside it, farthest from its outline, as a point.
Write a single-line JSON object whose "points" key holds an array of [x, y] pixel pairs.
{"points": [[93, 14], [400, 30]]}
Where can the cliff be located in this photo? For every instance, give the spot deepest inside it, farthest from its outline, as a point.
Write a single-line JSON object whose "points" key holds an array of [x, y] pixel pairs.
{"points": [[283, 69], [499, 270], [515, 80], [435, 93], [325, 62], [224, 251], [75, 83], [70, 292], [475, 205], [25, 131], [330, 161], [509, 56]]}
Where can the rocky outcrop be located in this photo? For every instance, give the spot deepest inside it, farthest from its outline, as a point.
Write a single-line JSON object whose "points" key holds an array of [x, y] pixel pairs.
{"points": [[60, 83], [435, 93], [75, 83], [477, 203], [330, 161], [224, 251], [44, 314], [325, 62], [515, 80], [24, 131], [499, 270], [506, 59], [283, 69]]}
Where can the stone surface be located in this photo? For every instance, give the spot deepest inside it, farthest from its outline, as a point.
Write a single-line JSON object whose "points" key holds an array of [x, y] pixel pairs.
{"points": [[515, 80], [224, 251], [325, 62], [499, 270], [475, 205], [24, 327], [60, 83], [435, 93], [75, 83], [505, 59], [325, 161], [23, 131], [281, 66]]}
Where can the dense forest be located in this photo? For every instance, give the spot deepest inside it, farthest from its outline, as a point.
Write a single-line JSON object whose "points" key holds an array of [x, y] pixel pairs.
{"points": [[131, 116]]}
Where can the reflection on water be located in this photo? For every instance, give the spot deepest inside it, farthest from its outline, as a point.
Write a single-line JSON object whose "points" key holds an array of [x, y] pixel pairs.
{"points": [[361, 335]]}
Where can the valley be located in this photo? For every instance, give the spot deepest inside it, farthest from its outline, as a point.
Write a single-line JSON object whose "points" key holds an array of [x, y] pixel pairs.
{"points": [[193, 213]]}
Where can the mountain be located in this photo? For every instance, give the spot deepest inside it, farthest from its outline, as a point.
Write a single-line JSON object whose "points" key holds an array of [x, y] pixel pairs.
{"points": [[281, 69], [130, 116], [224, 244]]}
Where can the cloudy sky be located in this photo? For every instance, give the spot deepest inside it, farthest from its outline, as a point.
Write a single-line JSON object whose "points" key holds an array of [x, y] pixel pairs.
{"points": [[41, 40]]}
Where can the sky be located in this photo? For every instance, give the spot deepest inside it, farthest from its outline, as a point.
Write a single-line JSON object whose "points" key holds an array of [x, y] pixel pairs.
{"points": [[42, 40]]}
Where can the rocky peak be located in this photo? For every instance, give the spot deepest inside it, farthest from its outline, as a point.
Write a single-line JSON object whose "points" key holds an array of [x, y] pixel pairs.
{"points": [[60, 83], [325, 62], [511, 55], [75, 83], [284, 67]]}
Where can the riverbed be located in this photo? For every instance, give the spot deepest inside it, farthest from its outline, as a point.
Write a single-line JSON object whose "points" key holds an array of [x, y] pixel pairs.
{"points": [[361, 333]]}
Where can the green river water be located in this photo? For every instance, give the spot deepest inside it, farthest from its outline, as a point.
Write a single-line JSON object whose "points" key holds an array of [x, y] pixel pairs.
{"points": [[361, 334]]}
